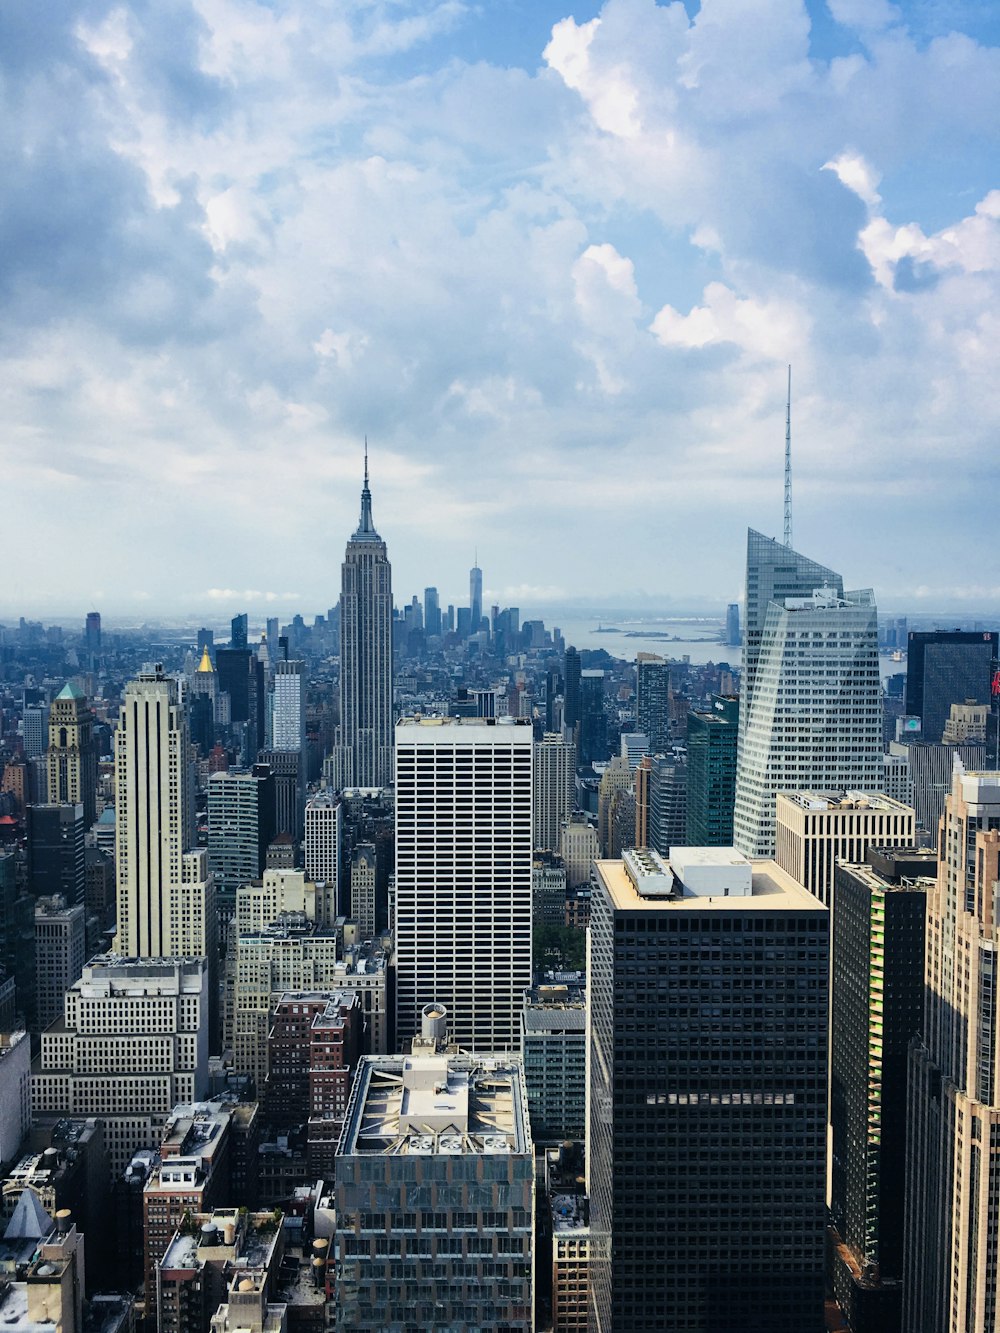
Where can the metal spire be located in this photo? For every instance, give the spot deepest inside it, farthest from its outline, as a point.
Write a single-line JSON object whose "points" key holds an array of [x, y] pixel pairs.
{"points": [[366, 462], [366, 527], [788, 463]]}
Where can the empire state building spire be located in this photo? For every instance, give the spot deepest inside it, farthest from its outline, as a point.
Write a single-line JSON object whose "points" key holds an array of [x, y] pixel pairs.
{"points": [[363, 755]]}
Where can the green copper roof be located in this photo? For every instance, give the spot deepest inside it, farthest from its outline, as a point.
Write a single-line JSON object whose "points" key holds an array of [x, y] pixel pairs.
{"points": [[71, 691]]}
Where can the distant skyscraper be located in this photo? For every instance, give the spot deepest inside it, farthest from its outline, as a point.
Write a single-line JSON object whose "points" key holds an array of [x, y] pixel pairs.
{"points": [[34, 727], [571, 697], [945, 668], [463, 876], [652, 700], [668, 781], [697, 1116], [92, 636], [733, 625], [432, 612], [323, 833], [711, 772], [953, 1141], [811, 712], [475, 597], [363, 757], [241, 824], [72, 753], [555, 789], [239, 631], [165, 895], [593, 719]]}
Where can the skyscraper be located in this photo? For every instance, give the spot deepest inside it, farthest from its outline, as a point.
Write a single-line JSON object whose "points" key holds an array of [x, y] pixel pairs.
{"points": [[363, 756], [463, 876], [555, 788], [475, 597], [944, 668], [811, 711], [432, 612], [877, 1007], [72, 752], [652, 700], [711, 772], [593, 744], [953, 1136], [707, 1110], [571, 688], [165, 894]]}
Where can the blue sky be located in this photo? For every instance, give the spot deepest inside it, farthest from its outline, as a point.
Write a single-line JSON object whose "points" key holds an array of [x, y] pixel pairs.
{"points": [[553, 260]]}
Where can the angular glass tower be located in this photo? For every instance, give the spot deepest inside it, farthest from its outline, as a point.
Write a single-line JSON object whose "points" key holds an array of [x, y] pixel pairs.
{"points": [[363, 758], [811, 708]]}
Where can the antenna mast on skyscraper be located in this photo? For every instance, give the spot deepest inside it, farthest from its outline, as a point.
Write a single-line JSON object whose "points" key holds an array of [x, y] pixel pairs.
{"points": [[788, 463]]}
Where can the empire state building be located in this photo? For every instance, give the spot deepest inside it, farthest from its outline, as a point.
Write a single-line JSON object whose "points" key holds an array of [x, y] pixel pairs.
{"points": [[363, 756]]}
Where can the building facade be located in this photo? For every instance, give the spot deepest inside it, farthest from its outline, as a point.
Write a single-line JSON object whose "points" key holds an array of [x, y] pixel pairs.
{"points": [[555, 789], [812, 717], [463, 876], [952, 1238], [72, 752], [711, 777], [708, 1096]]}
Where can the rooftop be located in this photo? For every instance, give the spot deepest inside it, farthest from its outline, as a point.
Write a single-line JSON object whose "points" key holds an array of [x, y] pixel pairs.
{"points": [[772, 889], [430, 1104], [845, 800]]}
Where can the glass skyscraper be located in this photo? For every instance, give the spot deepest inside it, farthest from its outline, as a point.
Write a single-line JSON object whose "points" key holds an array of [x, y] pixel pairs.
{"points": [[811, 710]]}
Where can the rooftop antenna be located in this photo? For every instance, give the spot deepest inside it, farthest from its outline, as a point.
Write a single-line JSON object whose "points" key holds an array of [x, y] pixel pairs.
{"points": [[788, 463], [366, 456]]}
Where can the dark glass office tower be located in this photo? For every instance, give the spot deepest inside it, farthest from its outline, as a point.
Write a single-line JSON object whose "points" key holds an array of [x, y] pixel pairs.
{"points": [[877, 1007], [652, 701], [593, 745], [711, 772], [945, 668], [571, 697], [707, 1109]]}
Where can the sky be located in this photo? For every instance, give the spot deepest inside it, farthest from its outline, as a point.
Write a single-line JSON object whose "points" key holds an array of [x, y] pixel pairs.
{"points": [[551, 259]]}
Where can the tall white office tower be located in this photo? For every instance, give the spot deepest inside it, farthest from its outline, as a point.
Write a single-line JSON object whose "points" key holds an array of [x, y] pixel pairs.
{"points": [[463, 877], [363, 755], [324, 825], [166, 898], [811, 710], [952, 1227], [555, 789]]}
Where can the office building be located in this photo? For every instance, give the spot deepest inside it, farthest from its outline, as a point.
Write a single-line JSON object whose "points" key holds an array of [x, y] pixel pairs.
{"points": [[288, 721], [241, 825], [363, 880], [593, 743], [953, 1145], [72, 752], [548, 890], [241, 680], [432, 612], [92, 637], [896, 780], [56, 852], [554, 1054], [945, 667], [451, 1131], [712, 735], [616, 778], [60, 953], [578, 849], [653, 693], [708, 1095], [475, 598], [930, 768], [811, 711], [569, 1211], [733, 625], [463, 876], [877, 1008], [132, 1044], [34, 729], [363, 755], [815, 830], [668, 779], [323, 838], [968, 722], [166, 905], [571, 689], [555, 789], [634, 747]]}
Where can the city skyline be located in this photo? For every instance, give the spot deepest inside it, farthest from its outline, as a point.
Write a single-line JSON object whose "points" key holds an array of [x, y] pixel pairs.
{"points": [[554, 267]]}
